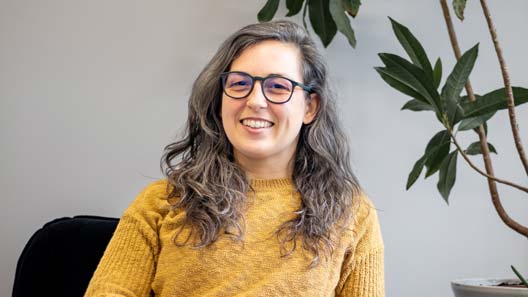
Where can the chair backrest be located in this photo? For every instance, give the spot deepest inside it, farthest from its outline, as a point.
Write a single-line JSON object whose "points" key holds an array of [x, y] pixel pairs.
{"points": [[61, 257]]}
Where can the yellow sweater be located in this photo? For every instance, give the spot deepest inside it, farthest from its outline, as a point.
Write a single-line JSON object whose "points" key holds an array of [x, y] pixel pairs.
{"points": [[141, 257]]}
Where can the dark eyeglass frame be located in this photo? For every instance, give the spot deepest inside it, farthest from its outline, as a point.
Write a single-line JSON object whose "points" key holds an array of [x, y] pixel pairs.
{"points": [[223, 77]]}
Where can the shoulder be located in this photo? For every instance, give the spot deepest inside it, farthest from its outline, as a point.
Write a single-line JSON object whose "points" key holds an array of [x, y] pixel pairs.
{"points": [[364, 210], [366, 228], [152, 199]]}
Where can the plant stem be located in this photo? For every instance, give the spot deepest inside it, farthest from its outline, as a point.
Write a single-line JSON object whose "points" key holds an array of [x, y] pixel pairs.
{"points": [[471, 96], [507, 86], [514, 225], [454, 44], [304, 16], [472, 165], [492, 185], [519, 275]]}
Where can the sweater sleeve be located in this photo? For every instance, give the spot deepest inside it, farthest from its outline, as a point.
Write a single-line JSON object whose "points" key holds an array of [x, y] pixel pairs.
{"points": [[129, 262], [362, 274]]}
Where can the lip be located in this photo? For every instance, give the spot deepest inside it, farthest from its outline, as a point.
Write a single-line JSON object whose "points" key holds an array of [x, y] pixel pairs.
{"points": [[256, 131], [257, 119]]}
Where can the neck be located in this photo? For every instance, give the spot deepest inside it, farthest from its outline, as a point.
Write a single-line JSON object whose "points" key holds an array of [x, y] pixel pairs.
{"points": [[265, 169]]}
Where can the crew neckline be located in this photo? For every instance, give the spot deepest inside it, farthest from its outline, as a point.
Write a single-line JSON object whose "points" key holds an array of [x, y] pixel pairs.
{"points": [[271, 184]]}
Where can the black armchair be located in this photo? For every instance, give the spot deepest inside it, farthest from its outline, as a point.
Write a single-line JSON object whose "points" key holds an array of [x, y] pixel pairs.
{"points": [[60, 258]]}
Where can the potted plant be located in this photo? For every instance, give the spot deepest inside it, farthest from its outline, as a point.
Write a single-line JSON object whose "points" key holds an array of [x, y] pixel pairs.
{"points": [[420, 80]]}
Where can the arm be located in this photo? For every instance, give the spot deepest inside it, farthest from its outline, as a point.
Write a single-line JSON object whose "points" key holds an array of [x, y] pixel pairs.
{"points": [[362, 274], [128, 265]]}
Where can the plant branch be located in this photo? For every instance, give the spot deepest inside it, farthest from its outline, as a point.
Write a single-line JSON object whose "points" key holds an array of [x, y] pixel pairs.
{"points": [[514, 225], [507, 86], [454, 44], [472, 165], [492, 185]]}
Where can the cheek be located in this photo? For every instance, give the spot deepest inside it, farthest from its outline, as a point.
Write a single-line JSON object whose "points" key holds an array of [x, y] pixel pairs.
{"points": [[290, 119], [226, 109], [295, 112], [223, 107], [229, 110]]}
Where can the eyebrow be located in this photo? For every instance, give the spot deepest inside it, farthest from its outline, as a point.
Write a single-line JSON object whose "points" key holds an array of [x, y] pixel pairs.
{"points": [[274, 73], [280, 74]]}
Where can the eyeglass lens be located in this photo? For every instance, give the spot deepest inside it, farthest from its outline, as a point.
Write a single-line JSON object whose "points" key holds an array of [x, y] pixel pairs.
{"points": [[276, 89]]}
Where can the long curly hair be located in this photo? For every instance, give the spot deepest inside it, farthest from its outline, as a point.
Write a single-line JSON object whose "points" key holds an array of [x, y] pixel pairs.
{"points": [[211, 188]]}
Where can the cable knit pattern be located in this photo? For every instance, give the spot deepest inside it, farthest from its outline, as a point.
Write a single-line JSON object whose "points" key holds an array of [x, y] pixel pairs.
{"points": [[142, 258]]}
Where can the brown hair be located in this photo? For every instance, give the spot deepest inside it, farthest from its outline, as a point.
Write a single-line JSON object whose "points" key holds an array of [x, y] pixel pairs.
{"points": [[211, 188]]}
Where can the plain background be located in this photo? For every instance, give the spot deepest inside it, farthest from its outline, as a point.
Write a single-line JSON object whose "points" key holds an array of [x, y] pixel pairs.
{"points": [[91, 92]]}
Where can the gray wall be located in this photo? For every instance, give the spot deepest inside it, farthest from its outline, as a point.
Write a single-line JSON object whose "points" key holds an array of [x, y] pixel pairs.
{"points": [[91, 91]]}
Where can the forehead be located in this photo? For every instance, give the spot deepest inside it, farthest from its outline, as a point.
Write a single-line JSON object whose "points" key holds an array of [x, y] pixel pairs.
{"points": [[270, 57]]}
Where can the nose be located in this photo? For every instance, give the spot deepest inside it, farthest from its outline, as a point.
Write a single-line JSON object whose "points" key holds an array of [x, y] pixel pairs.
{"points": [[256, 99]]}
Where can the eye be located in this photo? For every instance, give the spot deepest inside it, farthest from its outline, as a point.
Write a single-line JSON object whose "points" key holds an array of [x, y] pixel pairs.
{"points": [[236, 83], [278, 84]]}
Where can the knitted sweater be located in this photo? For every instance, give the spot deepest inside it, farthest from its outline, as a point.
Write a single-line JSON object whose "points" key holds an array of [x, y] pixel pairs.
{"points": [[142, 257]]}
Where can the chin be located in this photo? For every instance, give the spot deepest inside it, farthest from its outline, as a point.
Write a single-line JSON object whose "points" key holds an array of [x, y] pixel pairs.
{"points": [[255, 153]]}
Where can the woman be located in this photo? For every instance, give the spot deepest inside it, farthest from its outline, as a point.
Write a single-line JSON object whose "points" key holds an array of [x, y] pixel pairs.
{"points": [[259, 198]]}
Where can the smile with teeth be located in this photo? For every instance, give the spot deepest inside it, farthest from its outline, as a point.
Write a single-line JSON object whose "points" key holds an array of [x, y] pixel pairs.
{"points": [[256, 123]]}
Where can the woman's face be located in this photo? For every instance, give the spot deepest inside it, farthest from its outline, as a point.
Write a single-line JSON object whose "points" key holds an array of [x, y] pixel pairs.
{"points": [[263, 133]]}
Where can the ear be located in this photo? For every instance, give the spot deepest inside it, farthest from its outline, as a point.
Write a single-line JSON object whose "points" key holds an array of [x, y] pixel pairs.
{"points": [[311, 109]]}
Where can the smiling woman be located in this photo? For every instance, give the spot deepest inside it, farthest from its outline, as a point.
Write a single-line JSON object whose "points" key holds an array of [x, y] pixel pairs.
{"points": [[260, 199], [264, 134]]}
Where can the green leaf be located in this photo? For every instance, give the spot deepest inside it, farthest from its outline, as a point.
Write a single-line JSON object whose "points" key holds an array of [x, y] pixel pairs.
{"points": [[415, 172], [417, 105], [341, 20], [458, 7], [395, 81], [475, 149], [412, 76], [453, 110], [447, 174], [322, 22], [268, 11], [493, 101], [437, 73], [455, 83], [459, 75], [474, 122], [352, 7], [412, 47], [437, 150], [519, 275], [464, 100], [294, 6]]}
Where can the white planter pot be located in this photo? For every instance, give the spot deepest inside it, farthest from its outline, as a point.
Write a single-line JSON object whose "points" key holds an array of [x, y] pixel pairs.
{"points": [[487, 288]]}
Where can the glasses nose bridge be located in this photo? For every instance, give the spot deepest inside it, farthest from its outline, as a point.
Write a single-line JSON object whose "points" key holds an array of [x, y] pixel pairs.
{"points": [[261, 80], [254, 80]]}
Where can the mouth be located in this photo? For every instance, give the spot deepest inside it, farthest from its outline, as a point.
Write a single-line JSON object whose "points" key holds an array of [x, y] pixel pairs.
{"points": [[256, 123]]}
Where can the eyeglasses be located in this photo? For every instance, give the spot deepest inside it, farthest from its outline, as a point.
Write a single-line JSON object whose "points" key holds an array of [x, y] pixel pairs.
{"points": [[276, 89]]}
